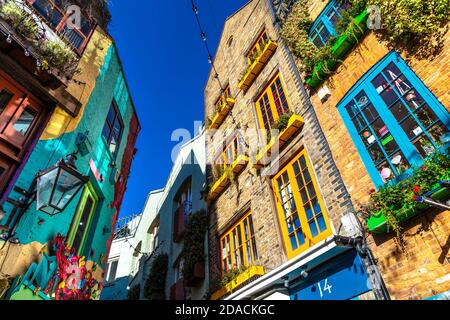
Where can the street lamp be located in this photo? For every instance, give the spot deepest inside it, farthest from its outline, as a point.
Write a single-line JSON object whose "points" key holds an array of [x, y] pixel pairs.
{"points": [[58, 185], [53, 189]]}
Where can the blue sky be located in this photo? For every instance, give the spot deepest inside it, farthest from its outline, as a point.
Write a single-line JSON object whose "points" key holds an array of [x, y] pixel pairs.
{"points": [[166, 67]]}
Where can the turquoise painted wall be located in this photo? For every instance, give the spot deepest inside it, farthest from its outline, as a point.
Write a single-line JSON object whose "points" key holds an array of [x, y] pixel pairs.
{"points": [[110, 84]]}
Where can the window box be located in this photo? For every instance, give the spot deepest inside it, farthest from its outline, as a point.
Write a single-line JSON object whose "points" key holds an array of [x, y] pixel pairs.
{"points": [[377, 223], [220, 185], [197, 275], [342, 45], [218, 119], [295, 124], [255, 68], [243, 279]]}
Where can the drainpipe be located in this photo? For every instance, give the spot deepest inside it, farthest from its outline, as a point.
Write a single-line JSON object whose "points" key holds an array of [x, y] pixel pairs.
{"points": [[359, 243]]}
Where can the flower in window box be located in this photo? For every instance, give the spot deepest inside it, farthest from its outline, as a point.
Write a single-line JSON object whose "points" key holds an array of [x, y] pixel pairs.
{"points": [[416, 189]]}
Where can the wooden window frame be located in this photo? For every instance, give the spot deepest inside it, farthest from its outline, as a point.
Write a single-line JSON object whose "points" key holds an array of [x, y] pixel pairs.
{"points": [[59, 29], [394, 127], [302, 223], [268, 95], [118, 117], [230, 152], [245, 243], [88, 192], [257, 46]]}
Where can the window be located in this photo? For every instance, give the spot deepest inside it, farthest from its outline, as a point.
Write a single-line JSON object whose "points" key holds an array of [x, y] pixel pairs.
{"points": [[230, 41], [184, 200], [230, 152], [302, 214], [259, 46], [55, 13], [393, 119], [238, 245], [325, 25], [82, 220], [223, 98], [112, 271], [112, 132], [272, 103]]}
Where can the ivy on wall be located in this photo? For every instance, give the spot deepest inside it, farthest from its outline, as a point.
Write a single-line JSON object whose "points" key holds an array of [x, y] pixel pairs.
{"points": [[155, 285], [415, 26], [194, 243]]}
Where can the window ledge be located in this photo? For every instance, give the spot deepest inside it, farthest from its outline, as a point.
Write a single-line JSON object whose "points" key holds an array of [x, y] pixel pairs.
{"points": [[222, 114], [224, 181], [256, 67], [295, 125], [242, 279], [342, 45], [377, 222]]}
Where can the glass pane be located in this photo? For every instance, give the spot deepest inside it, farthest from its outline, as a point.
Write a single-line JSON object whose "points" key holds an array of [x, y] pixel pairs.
{"points": [[426, 116], [106, 132], [316, 206], [300, 237], [392, 71], [359, 122], [25, 121], [385, 172], [389, 144], [313, 228], [399, 111], [44, 188], [113, 145], [424, 146], [82, 227], [316, 40], [376, 154], [321, 222], [380, 128], [111, 115], [367, 137], [380, 83], [411, 128], [370, 113], [413, 99], [438, 133], [308, 211], [362, 100], [324, 33], [66, 187], [352, 109], [5, 99], [399, 162], [402, 85], [303, 163], [389, 96], [293, 240]]}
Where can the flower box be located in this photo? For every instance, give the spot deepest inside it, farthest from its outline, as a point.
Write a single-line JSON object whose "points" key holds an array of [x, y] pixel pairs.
{"points": [[342, 45], [242, 279], [377, 222], [295, 124], [218, 119], [198, 274], [224, 181], [256, 67]]}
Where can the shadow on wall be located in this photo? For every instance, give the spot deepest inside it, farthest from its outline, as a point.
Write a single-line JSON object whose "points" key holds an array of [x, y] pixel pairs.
{"points": [[116, 290]]}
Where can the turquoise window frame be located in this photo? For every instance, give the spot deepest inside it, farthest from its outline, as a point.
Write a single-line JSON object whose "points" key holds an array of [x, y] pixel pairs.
{"points": [[323, 18], [405, 144]]}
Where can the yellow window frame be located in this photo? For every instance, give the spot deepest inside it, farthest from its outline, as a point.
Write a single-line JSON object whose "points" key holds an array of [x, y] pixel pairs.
{"points": [[247, 243], [258, 46], [230, 153], [267, 98], [309, 239]]}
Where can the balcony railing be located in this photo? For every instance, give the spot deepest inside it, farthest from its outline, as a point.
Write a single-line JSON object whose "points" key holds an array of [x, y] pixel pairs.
{"points": [[127, 226]]}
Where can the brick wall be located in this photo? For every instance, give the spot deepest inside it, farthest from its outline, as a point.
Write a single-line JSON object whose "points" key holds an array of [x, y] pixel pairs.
{"points": [[420, 271], [253, 189]]}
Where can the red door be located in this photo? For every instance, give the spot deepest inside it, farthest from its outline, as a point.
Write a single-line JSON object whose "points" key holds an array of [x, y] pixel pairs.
{"points": [[21, 117]]}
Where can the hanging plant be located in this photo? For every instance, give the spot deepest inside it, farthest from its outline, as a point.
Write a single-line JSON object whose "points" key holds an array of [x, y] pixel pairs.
{"points": [[394, 198], [193, 252], [155, 286], [19, 19], [59, 55]]}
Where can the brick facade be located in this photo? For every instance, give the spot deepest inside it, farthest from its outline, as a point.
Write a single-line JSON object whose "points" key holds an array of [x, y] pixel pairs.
{"points": [[252, 189], [423, 269]]}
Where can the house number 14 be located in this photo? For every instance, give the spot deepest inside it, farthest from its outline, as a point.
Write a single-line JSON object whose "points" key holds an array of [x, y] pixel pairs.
{"points": [[326, 287]]}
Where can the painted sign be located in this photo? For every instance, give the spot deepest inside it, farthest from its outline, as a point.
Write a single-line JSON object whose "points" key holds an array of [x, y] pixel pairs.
{"points": [[342, 278]]}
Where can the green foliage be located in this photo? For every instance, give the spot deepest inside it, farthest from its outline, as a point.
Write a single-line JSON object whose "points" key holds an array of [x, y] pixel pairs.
{"points": [[232, 275], [20, 20], [416, 25], [58, 54], [401, 196], [194, 242], [134, 292], [156, 282], [283, 121]]}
